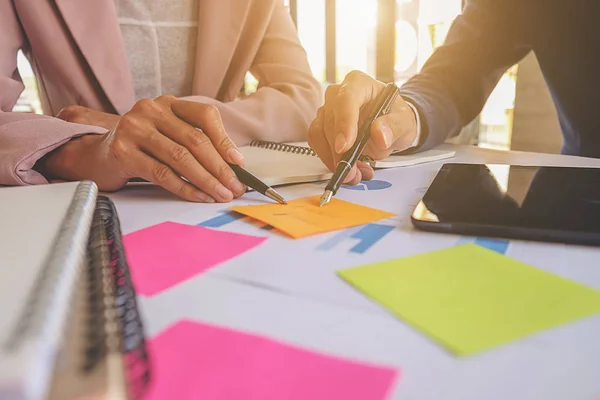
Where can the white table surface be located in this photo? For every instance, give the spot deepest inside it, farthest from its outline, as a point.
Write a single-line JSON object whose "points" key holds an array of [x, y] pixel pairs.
{"points": [[287, 290]]}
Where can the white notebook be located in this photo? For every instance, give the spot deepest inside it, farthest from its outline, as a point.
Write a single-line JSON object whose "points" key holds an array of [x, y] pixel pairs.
{"points": [[286, 163], [44, 237]]}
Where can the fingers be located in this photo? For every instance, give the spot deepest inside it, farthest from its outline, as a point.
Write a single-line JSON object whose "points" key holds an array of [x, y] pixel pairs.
{"points": [[396, 130], [87, 116], [195, 151], [160, 174], [357, 90], [318, 142], [183, 162], [353, 177], [366, 171], [329, 120], [208, 119]]}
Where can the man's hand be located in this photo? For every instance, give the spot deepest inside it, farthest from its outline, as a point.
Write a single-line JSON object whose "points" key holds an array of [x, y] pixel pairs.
{"points": [[334, 130], [88, 116], [179, 145]]}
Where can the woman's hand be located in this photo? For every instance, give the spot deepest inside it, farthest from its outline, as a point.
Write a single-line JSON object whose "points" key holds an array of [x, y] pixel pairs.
{"points": [[179, 145], [334, 130]]}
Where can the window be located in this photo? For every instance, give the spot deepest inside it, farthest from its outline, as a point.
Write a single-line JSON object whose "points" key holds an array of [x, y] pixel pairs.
{"points": [[391, 40]]}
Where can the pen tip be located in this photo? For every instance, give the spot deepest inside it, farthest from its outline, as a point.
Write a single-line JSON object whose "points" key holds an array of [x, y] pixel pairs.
{"points": [[326, 198], [272, 194]]}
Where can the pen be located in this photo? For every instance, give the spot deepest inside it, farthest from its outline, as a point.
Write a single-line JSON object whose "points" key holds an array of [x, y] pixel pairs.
{"points": [[248, 179], [344, 166]]}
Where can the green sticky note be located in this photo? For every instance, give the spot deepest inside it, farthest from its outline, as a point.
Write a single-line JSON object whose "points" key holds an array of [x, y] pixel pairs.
{"points": [[469, 298]]}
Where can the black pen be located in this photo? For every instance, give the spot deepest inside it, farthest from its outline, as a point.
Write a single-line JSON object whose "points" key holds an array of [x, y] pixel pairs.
{"points": [[248, 179], [382, 106]]}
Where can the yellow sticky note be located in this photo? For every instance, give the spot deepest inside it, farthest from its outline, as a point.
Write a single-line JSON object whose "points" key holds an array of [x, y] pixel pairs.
{"points": [[303, 217], [469, 298]]}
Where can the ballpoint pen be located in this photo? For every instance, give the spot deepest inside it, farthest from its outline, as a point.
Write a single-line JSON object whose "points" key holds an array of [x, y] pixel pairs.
{"points": [[344, 166], [248, 179]]}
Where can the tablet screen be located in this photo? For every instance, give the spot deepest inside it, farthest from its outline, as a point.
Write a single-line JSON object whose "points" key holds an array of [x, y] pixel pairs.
{"points": [[512, 198]]}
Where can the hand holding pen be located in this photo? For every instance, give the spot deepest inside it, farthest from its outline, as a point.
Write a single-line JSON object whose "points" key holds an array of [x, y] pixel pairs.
{"points": [[350, 157], [346, 106]]}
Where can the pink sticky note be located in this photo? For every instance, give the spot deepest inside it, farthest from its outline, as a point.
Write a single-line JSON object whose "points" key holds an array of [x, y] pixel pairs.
{"points": [[197, 361], [166, 254]]}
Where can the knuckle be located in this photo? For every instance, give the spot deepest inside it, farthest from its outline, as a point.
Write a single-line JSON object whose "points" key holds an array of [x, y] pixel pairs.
{"points": [[180, 154], [118, 148], [212, 112], [145, 106], [354, 76], [128, 123], [224, 172], [183, 190], [166, 98], [225, 142], [161, 173], [197, 139]]}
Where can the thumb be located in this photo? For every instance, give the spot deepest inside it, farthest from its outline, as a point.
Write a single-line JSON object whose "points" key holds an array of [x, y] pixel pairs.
{"points": [[395, 131]]}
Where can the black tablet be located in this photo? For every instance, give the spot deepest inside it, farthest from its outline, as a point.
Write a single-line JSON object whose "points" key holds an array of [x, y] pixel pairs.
{"points": [[557, 204]]}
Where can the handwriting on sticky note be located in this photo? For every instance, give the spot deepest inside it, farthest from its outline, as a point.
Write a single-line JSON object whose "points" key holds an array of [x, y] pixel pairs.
{"points": [[469, 298], [166, 254], [303, 217], [197, 361]]}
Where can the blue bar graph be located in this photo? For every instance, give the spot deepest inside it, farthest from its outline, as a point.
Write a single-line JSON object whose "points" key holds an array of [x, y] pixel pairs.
{"points": [[222, 219], [367, 235]]}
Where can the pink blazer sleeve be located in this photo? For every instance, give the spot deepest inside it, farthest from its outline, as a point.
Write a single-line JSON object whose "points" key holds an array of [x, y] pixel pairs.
{"points": [[288, 95], [24, 138]]}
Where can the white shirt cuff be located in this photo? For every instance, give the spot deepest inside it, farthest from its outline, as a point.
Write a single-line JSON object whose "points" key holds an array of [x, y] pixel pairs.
{"points": [[415, 143]]}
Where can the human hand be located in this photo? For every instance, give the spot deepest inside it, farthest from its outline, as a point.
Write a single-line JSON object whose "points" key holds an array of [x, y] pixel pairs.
{"points": [[158, 141], [88, 116], [334, 130]]}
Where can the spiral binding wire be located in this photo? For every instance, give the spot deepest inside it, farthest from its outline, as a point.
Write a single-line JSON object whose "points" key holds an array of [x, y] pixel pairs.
{"points": [[291, 148], [106, 251], [288, 148]]}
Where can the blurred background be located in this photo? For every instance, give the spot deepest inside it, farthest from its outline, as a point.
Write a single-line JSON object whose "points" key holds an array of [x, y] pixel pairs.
{"points": [[390, 40]]}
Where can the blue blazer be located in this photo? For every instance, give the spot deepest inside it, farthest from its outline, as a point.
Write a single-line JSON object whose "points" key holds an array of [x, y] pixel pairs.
{"points": [[492, 35]]}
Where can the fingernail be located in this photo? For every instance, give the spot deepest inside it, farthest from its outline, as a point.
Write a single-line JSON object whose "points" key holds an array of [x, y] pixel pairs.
{"points": [[224, 193], [340, 143], [388, 136], [236, 156], [236, 186], [203, 197]]}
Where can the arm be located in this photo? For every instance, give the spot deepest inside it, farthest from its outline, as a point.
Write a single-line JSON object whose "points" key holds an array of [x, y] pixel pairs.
{"points": [[454, 84], [288, 95], [24, 138]]}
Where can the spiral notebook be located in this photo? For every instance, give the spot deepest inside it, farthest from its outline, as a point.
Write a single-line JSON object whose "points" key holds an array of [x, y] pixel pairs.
{"points": [[287, 163], [66, 299]]}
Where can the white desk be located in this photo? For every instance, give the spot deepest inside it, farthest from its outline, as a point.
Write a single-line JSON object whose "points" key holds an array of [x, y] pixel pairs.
{"points": [[287, 290]]}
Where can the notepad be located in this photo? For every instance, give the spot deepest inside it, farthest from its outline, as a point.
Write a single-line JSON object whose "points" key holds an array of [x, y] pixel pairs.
{"points": [[166, 254], [471, 299], [303, 217], [286, 163], [198, 361]]}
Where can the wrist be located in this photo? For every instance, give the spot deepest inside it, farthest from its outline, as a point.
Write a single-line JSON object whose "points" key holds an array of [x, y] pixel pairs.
{"points": [[67, 161]]}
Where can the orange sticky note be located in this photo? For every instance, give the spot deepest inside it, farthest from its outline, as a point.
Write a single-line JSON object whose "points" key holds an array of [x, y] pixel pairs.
{"points": [[303, 217]]}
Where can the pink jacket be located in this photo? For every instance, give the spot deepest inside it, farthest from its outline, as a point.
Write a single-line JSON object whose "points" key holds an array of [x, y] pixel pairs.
{"points": [[77, 54]]}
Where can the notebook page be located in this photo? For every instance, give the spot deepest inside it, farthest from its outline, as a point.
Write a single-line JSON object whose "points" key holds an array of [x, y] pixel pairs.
{"points": [[31, 218], [414, 159], [279, 167]]}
